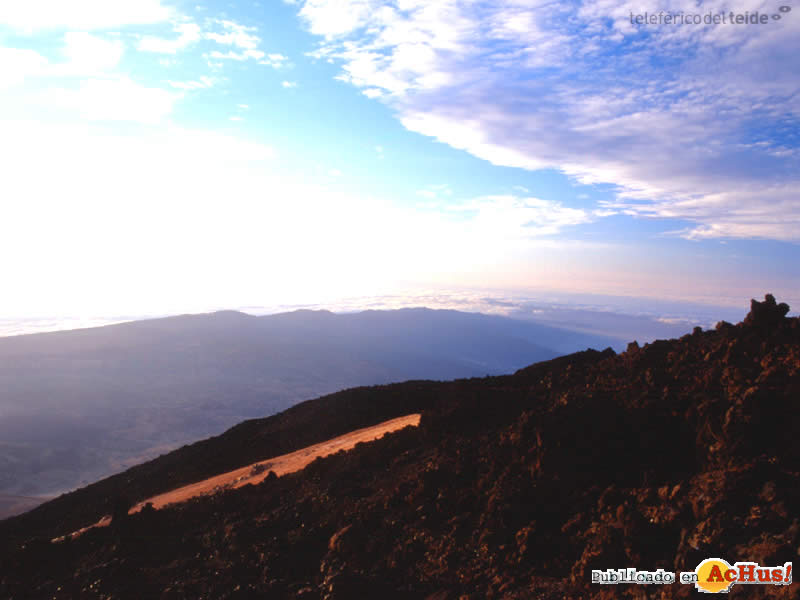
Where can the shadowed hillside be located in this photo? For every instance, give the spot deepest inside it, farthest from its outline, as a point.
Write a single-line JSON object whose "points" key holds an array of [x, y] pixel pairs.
{"points": [[511, 487]]}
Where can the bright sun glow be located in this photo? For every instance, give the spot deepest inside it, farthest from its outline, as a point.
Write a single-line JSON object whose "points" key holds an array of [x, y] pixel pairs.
{"points": [[163, 158]]}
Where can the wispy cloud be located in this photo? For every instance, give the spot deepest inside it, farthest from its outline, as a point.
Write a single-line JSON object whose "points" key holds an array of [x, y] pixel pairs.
{"points": [[34, 15], [234, 34], [433, 192], [81, 55], [202, 82], [83, 79], [275, 60], [233, 55], [521, 217], [188, 34], [696, 122], [89, 73], [243, 43]]}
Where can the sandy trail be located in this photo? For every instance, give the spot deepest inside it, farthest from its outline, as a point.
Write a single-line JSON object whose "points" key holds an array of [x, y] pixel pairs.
{"points": [[257, 472], [281, 465]]}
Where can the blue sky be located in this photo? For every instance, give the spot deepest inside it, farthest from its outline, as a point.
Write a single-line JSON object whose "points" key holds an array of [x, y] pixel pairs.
{"points": [[166, 156]]}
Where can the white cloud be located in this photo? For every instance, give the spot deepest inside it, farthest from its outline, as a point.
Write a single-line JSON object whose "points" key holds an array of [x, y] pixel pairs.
{"points": [[522, 217], [433, 192], [605, 212], [530, 84], [275, 61], [234, 34], [239, 56], [240, 42], [336, 17], [118, 99], [289, 84], [17, 64], [86, 82], [235, 118], [30, 15], [202, 83], [85, 55], [188, 33], [89, 54]]}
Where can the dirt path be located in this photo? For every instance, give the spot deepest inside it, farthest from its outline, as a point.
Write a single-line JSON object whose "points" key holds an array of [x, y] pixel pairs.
{"points": [[257, 472], [281, 465]]}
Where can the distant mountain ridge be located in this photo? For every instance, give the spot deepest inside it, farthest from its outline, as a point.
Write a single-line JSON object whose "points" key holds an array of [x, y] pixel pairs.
{"points": [[79, 405]]}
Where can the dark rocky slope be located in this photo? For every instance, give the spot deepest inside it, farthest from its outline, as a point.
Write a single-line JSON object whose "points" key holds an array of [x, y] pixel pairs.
{"points": [[512, 487]]}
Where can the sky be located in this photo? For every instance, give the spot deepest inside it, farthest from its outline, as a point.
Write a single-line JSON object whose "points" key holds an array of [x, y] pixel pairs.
{"points": [[159, 157]]}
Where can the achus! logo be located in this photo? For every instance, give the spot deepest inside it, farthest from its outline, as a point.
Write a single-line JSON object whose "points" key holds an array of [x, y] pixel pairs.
{"points": [[715, 575]]}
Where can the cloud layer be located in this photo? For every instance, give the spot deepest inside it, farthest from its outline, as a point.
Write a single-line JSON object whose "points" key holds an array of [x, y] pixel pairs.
{"points": [[692, 122]]}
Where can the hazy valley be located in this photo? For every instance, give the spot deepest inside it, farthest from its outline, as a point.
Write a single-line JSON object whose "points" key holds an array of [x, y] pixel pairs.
{"points": [[79, 405]]}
